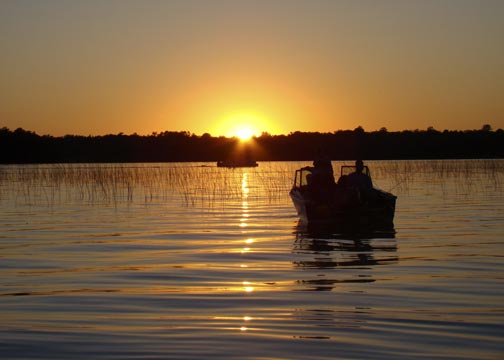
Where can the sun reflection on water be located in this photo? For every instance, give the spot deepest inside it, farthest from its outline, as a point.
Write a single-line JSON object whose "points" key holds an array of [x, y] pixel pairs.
{"points": [[245, 185], [245, 206], [245, 210], [247, 286]]}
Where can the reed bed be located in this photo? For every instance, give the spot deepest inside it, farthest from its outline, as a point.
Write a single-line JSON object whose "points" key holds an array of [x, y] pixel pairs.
{"points": [[192, 184], [459, 176], [203, 184]]}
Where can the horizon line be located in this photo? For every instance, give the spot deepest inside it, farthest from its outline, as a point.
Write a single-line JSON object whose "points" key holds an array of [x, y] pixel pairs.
{"points": [[485, 127]]}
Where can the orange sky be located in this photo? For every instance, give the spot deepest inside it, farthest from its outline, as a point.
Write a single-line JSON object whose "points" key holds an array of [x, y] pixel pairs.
{"points": [[96, 67]]}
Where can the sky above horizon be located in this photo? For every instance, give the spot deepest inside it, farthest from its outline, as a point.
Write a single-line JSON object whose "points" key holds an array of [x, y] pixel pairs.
{"points": [[216, 66]]}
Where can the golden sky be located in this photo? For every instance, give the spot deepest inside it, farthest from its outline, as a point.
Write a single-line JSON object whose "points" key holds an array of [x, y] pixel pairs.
{"points": [[97, 67]]}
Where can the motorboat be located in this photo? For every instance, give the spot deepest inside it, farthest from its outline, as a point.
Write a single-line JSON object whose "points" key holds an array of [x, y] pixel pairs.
{"points": [[342, 203], [237, 163]]}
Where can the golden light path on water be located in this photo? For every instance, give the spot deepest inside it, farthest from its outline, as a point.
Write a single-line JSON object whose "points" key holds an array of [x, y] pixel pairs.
{"points": [[247, 286]]}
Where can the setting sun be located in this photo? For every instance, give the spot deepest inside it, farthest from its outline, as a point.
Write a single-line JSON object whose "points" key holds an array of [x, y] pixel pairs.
{"points": [[242, 125], [245, 133]]}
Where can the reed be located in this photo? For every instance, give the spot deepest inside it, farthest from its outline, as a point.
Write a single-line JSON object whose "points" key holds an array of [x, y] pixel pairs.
{"points": [[460, 176], [205, 185]]}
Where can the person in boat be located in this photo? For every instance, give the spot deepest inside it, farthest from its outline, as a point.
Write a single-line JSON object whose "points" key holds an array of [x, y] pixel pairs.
{"points": [[322, 170], [358, 179]]}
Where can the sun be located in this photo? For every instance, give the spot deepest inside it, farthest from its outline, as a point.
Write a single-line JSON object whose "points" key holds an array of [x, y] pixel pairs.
{"points": [[243, 126], [245, 132]]}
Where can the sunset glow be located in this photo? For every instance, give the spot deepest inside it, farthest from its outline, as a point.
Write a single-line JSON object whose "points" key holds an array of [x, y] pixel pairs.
{"points": [[242, 125], [245, 133], [239, 68]]}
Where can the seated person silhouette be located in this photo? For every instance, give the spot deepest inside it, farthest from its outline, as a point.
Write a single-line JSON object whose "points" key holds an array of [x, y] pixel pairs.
{"points": [[322, 170], [358, 179]]}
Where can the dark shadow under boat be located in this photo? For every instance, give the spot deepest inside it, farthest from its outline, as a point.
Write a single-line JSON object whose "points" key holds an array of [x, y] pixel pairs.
{"points": [[347, 207]]}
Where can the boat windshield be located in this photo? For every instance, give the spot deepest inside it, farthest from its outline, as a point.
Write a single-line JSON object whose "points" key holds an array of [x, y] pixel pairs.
{"points": [[302, 176], [348, 169]]}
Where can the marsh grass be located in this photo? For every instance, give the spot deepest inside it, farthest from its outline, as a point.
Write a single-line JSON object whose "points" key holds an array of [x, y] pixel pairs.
{"points": [[205, 185], [450, 176], [193, 184]]}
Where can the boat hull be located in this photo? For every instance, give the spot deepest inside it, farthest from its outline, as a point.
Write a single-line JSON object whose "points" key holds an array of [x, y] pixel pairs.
{"points": [[346, 208]]}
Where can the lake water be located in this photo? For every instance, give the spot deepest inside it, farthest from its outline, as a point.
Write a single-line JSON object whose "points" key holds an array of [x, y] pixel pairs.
{"points": [[191, 261]]}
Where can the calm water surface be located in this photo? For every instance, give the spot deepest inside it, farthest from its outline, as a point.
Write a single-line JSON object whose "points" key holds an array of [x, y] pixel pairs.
{"points": [[191, 261]]}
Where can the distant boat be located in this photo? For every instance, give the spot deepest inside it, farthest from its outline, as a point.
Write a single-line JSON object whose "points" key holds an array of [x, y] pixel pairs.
{"points": [[237, 163], [342, 204]]}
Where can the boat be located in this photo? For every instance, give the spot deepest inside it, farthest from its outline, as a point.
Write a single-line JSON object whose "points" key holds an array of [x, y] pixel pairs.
{"points": [[237, 163], [340, 203]]}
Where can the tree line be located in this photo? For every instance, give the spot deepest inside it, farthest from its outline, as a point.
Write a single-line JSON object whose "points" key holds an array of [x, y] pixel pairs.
{"points": [[22, 146]]}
